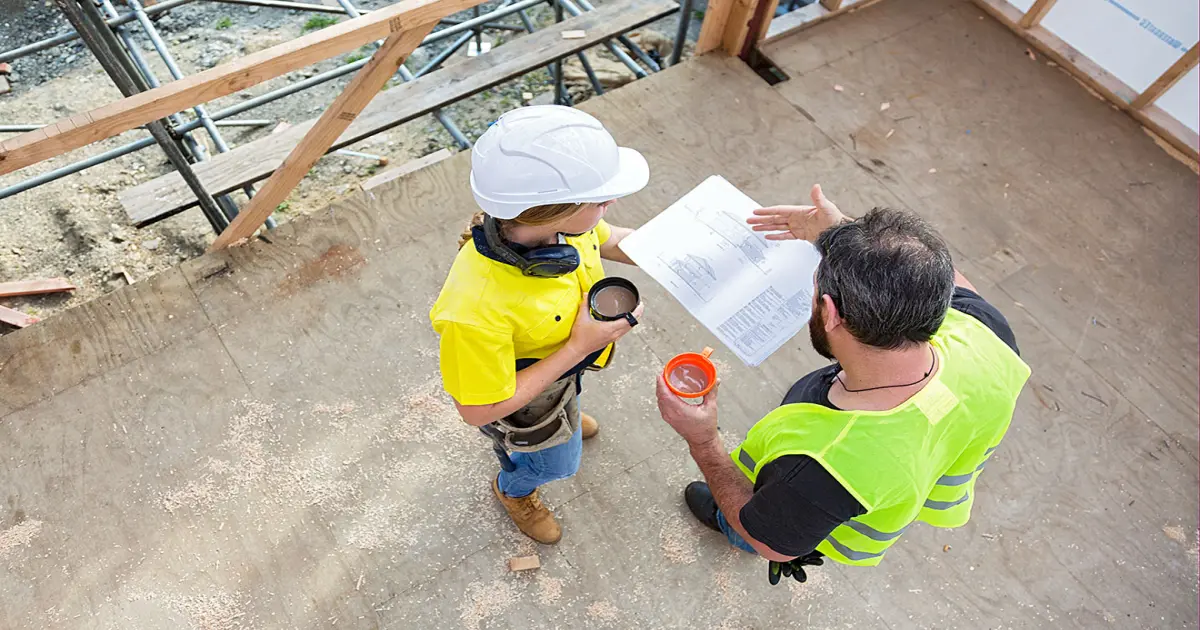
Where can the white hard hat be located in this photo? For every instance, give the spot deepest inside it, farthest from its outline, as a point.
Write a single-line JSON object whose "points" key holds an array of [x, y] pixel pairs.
{"points": [[547, 154]]}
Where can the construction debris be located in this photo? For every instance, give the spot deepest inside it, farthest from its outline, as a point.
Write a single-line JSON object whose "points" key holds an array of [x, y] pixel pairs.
{"points": [[35, 287], [883, 107], [524, 563], [16, 318], [406, 168], [838, 88], [611, 74]]}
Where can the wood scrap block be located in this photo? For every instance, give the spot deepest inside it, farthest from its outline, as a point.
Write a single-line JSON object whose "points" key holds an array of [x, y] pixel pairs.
{"points": [[35, 287], [4, 88], [17, 318], [524, 563], [5, 68], [574, 34]]}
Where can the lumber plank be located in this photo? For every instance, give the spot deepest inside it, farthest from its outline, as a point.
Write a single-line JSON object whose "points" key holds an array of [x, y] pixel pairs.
{"points": [[166, 195], [35, 287], [1034, 15], [1091, 74], [1167, 79], [16, 318], [406, 168], [119, 116], [345, 108]]}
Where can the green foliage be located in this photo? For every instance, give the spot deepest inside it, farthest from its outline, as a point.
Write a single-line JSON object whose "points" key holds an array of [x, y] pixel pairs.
{"points": [[283, 207], [318, 22], [224, 23]]}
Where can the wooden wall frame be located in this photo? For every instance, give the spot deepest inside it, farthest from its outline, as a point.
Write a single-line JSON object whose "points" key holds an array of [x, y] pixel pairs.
{"points": [[1139, 106]]}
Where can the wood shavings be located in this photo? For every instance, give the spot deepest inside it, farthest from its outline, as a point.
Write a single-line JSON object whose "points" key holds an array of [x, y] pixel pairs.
{"points": [[1175, 532], [677, 540], [604, 610], [1029, 53], [883, 107], [889, 134], [933, 170], [549, 589], [483, 601], [838, 88], [19, 535]]}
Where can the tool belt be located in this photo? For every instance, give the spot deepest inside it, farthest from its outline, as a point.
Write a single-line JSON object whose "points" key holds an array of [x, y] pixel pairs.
{"points": [[548, 420]]}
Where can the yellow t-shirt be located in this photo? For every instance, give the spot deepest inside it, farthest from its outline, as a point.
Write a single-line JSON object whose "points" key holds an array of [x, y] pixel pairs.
{"points": [[489, 314]]}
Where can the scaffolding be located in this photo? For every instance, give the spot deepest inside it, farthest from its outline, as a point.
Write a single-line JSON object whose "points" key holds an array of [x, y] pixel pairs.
{"points": [[109, 34]]}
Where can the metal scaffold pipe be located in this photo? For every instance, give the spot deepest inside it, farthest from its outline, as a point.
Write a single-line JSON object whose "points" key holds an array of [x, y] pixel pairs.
{"points": [[124, 18]]}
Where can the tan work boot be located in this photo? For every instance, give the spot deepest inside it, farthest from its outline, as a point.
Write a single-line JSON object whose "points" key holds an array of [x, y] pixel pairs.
{"points": [[589, 426], [530, 516]]}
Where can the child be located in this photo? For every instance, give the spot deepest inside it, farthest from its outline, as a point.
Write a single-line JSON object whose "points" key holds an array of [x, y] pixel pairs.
{"points": [[513, 319]]}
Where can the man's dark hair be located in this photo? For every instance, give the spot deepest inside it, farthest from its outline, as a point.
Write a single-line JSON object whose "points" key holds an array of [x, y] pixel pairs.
{"points": [[890, 276]]}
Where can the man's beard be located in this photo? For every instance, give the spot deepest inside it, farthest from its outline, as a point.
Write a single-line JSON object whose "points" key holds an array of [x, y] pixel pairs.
{"points": [[816, 333]]}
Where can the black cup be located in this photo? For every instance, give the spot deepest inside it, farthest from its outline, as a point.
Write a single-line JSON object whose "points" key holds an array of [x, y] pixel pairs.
{"points": [[613, 282]]}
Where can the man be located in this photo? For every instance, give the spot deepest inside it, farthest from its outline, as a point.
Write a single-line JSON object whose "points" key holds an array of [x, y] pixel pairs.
{"points": [[923, 389]]}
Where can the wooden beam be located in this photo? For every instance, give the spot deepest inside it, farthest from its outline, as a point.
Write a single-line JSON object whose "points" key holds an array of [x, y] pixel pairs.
{"points": [[1034, 15], [728, 25], [712, 29], [35, 287], [760, 23], [348, 105], [114, 118], [1168, 79]]}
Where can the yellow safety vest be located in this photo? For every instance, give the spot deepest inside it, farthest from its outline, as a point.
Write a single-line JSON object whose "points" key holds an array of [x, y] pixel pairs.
{"points": [[917, 462]]}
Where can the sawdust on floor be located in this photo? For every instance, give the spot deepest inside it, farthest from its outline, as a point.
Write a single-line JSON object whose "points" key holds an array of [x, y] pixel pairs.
{"points": [[483, 601], [19, 535], [677, 539], [603, 610]]}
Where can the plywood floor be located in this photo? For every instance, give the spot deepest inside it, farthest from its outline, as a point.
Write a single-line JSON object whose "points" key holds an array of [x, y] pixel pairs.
{"points": [[257, 439]]}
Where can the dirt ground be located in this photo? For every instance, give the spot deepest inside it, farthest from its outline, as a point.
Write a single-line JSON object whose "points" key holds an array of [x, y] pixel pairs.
{"points": [[76, 227]]}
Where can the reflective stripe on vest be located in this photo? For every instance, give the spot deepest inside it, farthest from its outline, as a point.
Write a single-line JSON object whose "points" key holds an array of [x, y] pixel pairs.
{"points": [[918, 461], [958, 480]]}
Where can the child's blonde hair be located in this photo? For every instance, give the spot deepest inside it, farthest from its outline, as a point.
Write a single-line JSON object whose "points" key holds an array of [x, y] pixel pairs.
{"points": [[537, 215]]}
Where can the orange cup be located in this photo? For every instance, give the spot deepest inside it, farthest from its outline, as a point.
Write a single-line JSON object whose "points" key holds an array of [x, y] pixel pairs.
{"points": [[698, 361]]}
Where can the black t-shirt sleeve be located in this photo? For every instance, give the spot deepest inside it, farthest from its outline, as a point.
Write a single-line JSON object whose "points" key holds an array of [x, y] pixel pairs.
{"points": [[971, 303], [796, 504]]}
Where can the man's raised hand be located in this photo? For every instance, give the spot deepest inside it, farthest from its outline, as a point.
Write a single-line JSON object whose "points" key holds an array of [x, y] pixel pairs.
{"points": [[787, 223]]}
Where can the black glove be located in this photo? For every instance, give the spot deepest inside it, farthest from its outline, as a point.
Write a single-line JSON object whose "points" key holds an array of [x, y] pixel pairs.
{"points": [[794, 568]]}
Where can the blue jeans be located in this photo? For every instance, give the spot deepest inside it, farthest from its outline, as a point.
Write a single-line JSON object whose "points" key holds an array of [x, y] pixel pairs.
{"points": [[542, 467], [735, 538]]}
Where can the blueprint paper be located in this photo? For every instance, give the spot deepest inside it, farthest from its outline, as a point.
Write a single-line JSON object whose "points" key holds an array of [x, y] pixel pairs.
{"points": [[753, 294]]}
